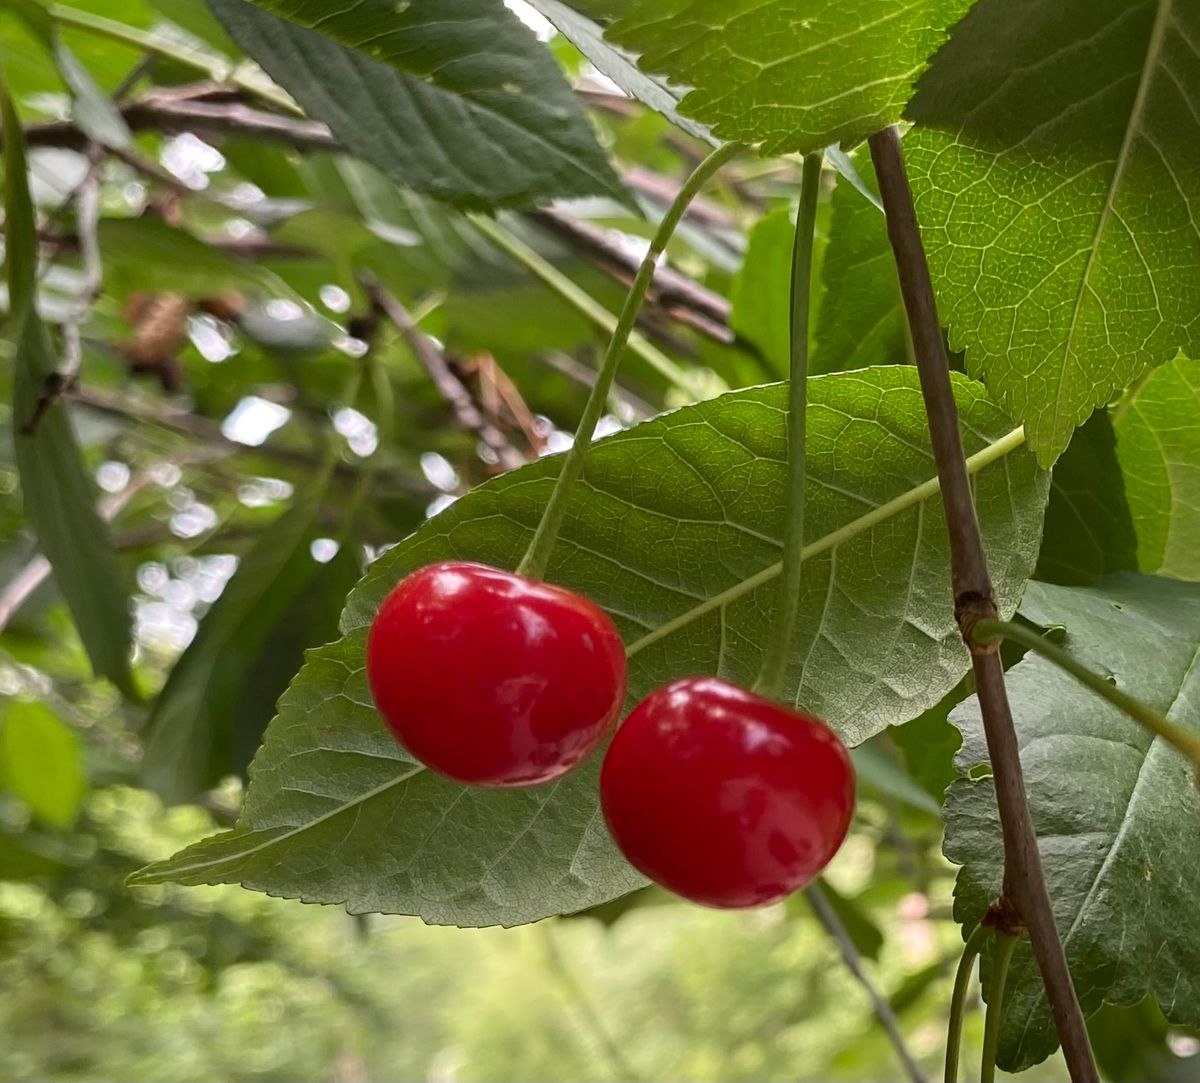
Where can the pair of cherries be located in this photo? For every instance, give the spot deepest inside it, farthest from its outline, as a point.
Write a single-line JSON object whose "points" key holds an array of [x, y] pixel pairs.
{"points": [[716, 793]]}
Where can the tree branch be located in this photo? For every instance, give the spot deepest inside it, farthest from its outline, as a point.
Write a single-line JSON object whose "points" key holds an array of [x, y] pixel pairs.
{"points": [[452, 389], [677, 295], [827, 916], [1024, 882]]}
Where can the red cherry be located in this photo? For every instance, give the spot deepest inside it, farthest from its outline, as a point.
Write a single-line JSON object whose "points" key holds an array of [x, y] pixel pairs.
{"points": [[724, 797], [491, 678]]}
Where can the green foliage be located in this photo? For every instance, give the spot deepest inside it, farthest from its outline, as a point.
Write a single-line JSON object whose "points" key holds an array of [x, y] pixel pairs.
{"points": [[1158, 445], [793, 75], [452, 98], [1116, 811], [210, 715], [291, 158], [59, 500], [759, 295], [1057, 205], [1089, 529], [860, 320], [41, 763]]}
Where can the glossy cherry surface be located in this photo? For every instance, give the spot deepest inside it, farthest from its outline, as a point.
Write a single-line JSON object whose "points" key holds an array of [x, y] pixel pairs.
{"points": [[724, 797], [491, 678]]}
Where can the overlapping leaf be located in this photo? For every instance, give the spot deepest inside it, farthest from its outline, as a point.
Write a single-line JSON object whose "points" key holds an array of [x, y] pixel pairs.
{"points": [[674, 530], [1158, 447], [794, 75], [1116, 812], [1055, 170], [453, 98], [860, 320], [1089, 530]]}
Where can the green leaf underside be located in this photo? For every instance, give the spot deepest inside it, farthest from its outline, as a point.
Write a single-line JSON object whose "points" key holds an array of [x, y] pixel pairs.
{"points": [[793, 75], [452, 98], [1158, 446], [59, 497], [860, 320], [1116, 812], [671, 530], [1089, 530], [620, 66], [1055, 172]]}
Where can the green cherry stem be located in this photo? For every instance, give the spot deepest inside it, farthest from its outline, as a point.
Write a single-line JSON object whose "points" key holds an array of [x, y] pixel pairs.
{"points": [[997, 980], [537, 557], [1186, 742], [958, 999], [773, 677]]}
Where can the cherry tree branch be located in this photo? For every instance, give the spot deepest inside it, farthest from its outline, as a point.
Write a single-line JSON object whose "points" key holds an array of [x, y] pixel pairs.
{"points": [[452, 389], [1024, 882]]}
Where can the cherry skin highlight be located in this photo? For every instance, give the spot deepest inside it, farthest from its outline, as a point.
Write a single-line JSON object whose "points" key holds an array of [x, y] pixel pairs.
{"points": [[491, 678], [724, 797]]}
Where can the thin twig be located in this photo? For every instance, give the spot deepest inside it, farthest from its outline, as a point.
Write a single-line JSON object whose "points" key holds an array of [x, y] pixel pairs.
{"points": [[1024, 882], [452, 389], [850, 956]]}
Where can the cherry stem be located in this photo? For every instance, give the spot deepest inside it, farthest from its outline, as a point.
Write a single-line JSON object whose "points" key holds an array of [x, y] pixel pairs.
{"points": [[997, 979], [958, 999], [1186, 742], [773, 677], [537, 557]]}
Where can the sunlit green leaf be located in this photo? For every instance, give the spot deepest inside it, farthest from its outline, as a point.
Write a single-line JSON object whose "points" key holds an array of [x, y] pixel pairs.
{"points": [[793, 75], [1054, 168]]}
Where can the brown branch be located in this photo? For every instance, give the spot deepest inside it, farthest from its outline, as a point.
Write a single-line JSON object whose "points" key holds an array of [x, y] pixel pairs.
{"points": [[1024, 882], [677, 295], [451, 388], [206, 114]]}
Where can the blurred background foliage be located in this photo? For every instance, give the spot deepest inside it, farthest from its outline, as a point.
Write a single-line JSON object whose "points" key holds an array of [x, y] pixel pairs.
{"points": [[241, 407]]}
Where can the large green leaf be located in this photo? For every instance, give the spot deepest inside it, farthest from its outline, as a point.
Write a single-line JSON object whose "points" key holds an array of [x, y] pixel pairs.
{"points": [[1089, 530], [1116, 811], [1158, 447], [41, 762], [219, 696], [1054, 167], [452, 98], [793, 75], [674, 530], [59, 497], [860, 320]]}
